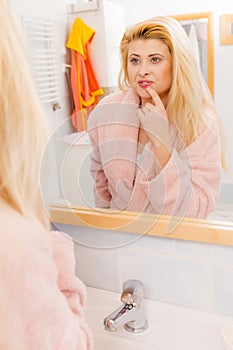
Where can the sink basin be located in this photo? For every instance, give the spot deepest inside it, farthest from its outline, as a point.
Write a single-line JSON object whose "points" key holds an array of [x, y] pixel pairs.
{"points": [[170, 326], [116, 342]]}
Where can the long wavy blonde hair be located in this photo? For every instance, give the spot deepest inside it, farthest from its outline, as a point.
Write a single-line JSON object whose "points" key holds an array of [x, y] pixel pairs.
{"points": [[23, 131], [189, 93]]}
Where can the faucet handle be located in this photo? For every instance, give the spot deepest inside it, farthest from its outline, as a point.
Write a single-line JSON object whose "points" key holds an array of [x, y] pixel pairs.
{"points": [[127, 296], [131, 313], [132, 292]]}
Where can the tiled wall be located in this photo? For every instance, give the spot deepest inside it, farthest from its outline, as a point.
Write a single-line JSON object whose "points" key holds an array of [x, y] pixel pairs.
{"points": [[191, 274]]}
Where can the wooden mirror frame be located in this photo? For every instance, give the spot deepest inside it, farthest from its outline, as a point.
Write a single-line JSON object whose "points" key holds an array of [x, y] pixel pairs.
{"points": [[143, 223]]}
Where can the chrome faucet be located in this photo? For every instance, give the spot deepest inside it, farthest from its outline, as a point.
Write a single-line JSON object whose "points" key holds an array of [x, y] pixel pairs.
{"points": [[131, 314]]}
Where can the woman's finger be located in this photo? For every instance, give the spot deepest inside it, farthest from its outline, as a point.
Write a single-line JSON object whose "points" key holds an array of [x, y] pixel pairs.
{"points": [[158, 106], [155, 96]]}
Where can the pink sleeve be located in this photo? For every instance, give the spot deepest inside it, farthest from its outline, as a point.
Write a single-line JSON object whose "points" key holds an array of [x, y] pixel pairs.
{"points": [[114, 119], [71, 286], [101, 192], [32, 308], [189, 184]]}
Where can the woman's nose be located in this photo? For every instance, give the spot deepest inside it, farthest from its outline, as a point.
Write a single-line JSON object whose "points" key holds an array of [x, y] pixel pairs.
{"points": [[144, 68]]}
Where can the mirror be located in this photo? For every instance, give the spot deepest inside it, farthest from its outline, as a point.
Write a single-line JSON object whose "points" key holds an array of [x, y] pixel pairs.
{"points": [[199, 27], [217, 229]]}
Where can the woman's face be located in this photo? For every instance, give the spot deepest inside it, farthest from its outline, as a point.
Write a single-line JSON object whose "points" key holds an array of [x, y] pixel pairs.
{"points": [[149, 64]]}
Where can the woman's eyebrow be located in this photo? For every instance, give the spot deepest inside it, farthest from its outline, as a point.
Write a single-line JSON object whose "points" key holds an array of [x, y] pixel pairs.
{"points": [[150, 55], [133, 54]]}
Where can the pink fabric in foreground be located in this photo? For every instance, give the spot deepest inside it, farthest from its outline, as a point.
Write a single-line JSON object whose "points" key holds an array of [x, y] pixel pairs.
{"points": [[41, 299]]}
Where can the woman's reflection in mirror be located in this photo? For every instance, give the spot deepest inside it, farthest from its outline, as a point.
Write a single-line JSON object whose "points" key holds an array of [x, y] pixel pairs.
{"points": [[156, 142]]}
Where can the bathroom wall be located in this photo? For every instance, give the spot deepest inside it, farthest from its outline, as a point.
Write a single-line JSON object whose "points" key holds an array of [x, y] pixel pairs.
{"points": [[191, 274], [55, 11], [57, 120]]}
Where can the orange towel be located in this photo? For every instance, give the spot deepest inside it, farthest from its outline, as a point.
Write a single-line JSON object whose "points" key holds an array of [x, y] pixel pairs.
{"points": [[85, 86]]}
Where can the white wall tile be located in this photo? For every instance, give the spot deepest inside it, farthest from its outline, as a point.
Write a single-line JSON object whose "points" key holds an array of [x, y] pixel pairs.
{"points": [[166, 277], [222, 288], [98, 267], [196, 275], [221, 254]]}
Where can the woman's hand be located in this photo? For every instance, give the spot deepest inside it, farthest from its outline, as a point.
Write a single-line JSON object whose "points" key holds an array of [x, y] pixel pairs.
{"points": [[153, 119], [157, 104]]}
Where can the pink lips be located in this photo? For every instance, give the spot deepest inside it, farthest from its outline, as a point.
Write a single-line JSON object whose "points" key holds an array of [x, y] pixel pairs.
{"points": [[144, 83]]}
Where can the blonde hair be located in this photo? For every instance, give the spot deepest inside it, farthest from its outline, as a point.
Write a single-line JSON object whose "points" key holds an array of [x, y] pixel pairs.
{"points": [[189, 93], [23, 131]]}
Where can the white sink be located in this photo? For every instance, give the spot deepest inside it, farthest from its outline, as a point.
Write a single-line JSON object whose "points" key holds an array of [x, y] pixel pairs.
{"points": [[115, 342], [170, 326]]}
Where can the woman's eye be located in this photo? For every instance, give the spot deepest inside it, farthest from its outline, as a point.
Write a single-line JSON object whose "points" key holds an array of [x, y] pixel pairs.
{"points": [[134, 60], [155, 59]]}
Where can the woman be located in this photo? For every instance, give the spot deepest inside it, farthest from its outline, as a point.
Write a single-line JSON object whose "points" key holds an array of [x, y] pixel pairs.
{"points": [[156, 143], [41, 300]]}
